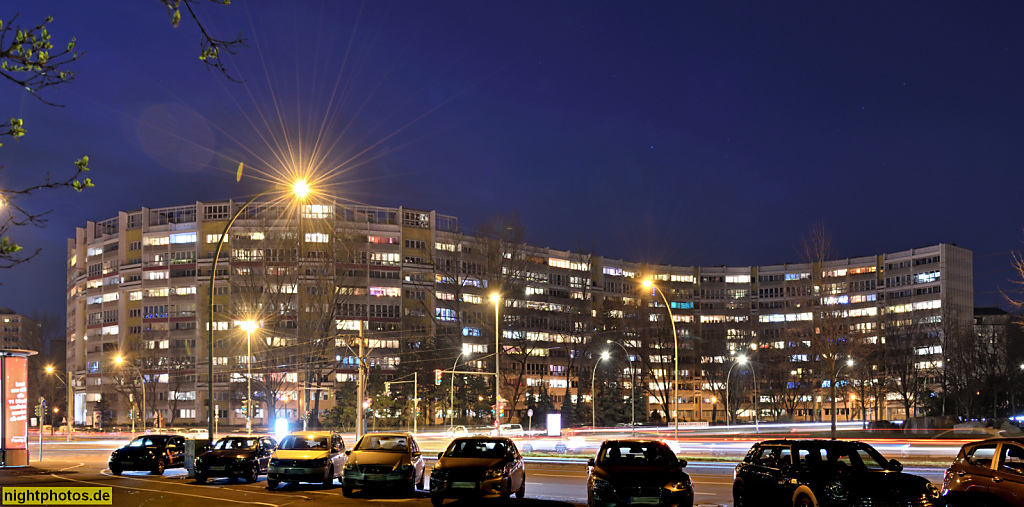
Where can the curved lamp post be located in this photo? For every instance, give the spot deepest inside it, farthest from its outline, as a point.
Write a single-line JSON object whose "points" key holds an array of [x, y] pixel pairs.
{"points": [[632, 387], [593, 397], [70, 415], [675, 339], [451, 405], [728, 414], [496, 299], [300, 189], [118, 360], [832, 388]]}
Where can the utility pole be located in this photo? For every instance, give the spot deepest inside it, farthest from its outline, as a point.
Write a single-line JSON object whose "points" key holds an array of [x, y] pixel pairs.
{"points": [[70, 416], [360, 386]]}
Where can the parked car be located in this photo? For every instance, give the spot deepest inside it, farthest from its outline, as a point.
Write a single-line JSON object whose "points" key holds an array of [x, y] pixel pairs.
{"points": [[478, 467], [384, 460], [509, 430], [200, 433], [307, 456], [244, 457], [637, 471], [811, 473], [986, 473], [457, 431], [153, 453]]}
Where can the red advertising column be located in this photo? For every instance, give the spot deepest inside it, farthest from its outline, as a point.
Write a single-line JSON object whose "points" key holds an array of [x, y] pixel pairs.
{"points": [[14, 398]]}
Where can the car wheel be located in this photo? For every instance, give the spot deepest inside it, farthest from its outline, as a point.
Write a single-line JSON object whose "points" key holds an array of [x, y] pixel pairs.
{"points": [[115, 470], [803, 501], [271, 483], [329, 477], [200, 479], [521, 492], [347, 492], [738, 495], [254, 474], [159, 469], [436, 500]]}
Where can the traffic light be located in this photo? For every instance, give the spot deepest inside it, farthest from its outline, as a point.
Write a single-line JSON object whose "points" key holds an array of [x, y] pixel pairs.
{"points": [[437, 376], [39, 410]]}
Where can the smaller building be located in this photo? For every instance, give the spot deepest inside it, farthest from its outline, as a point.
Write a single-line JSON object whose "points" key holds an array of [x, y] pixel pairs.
{"points": [[17, 331]]}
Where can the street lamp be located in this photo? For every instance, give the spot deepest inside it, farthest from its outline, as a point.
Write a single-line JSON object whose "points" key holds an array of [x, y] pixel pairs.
{"points": [[70, 412], [300, 189], [728, 414], [675, 339], [496, 299], [593, 397], [632, 386], [118, 360], [466, 350], [249, 326], [832, 389]]}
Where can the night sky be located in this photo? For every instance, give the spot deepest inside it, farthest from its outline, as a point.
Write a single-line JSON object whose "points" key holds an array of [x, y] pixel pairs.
{"points": [[689, 133]]}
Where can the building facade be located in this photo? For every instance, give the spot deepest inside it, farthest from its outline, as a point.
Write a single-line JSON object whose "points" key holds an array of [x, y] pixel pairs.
{"points": [[417, 289]]}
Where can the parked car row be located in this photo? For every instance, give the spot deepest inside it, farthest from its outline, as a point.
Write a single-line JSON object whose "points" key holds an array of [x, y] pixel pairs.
{"points": [[783, 472]]}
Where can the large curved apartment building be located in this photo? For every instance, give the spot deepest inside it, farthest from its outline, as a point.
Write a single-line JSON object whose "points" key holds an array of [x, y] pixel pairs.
{"points": [[418, 290]]}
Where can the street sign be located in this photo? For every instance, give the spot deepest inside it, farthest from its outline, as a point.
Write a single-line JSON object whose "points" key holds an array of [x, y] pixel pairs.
{"points": [[529, 413]]}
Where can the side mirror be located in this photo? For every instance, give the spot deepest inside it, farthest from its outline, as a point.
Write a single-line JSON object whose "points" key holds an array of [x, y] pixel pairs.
{"points": [[348, 453], [439, 455], [895, 465], [590, 462], [682, 463], [417, 454]]}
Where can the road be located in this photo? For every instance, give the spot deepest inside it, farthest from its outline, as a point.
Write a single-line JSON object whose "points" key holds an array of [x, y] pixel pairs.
{"points": [[550, 482]]}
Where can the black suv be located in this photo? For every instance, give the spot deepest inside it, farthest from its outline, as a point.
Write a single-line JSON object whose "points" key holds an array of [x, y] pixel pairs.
{"points": [[244, 457], [833, 473]]}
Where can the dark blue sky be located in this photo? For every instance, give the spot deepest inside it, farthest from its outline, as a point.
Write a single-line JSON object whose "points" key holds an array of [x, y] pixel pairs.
{"points": [[691, 133]]}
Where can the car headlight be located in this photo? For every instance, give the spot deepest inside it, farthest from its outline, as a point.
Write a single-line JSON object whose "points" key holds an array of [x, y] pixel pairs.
{"points": [[931, 490], [350, 466], [438, 473], [492, 473], [321, 462], [242, 460], [274, 462], [835, 490], [405, 468], [678, 485], [601, 484]]}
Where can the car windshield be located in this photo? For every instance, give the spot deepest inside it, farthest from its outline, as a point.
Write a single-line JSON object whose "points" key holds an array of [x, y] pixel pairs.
{"points": [[304, 443], [855, 456], [147, 442], [235, 443], [476, 449], [395, 443], [635, 454]]}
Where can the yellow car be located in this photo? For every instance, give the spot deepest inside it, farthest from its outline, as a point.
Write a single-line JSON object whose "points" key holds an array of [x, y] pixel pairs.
{"points": [[307, 456]]}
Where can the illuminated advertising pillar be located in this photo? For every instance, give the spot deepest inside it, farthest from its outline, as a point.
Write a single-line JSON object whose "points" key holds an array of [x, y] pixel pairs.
{"points": [[14, 399]]}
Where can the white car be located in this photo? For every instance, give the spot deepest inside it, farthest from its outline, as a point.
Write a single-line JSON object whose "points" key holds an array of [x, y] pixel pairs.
{"points": [[509, 430], [457, 431], [199, 433]]}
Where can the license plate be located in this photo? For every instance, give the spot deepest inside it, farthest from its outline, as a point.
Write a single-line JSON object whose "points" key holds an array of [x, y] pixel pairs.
{"points": [[128, 462], [298, 471], [218, 468], [464, 485], [644, 500], [374, 477]]}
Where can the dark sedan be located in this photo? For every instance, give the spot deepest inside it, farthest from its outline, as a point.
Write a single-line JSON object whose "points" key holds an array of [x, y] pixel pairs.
{"points": [[632, 472], [826, 473], [478, 467], [151, 453], [243, 457]]}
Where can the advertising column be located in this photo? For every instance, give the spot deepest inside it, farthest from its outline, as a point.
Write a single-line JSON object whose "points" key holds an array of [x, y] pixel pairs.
{"points": [[14, 397]]}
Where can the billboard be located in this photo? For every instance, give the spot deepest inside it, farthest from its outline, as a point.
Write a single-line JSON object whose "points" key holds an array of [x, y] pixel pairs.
{"points": [[15, 396]]}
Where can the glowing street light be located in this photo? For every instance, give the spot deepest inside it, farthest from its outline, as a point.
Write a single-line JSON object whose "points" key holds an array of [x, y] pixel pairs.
{"points": [[593, 399], [249, 326], [632, 386], [119, 361], [675, 339], [741, 360], [466, 351]]}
